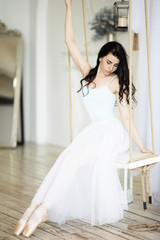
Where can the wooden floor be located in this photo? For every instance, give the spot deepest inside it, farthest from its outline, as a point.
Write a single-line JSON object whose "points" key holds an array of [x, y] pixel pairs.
{"points": [[22, 171]]}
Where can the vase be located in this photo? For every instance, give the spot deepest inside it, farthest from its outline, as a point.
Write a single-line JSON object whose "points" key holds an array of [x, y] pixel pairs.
{"points": [[110, 37]]}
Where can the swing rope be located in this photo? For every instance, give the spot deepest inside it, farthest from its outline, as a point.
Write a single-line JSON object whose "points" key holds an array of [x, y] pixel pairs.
{"points": [[85, 31], [142, 227], [130, 85], [149, 76], [70, 96], [69, 71], [130, 79]]}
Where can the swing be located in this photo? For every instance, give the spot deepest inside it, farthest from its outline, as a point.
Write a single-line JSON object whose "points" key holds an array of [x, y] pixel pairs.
{"points": [[130, 160]]}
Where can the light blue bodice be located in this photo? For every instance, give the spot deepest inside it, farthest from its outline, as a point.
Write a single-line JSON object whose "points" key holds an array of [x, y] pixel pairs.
{"points": [[99, 102]]}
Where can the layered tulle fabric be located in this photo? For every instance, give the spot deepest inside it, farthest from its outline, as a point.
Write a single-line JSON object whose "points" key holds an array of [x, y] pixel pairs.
{"points": [[83, 184]]}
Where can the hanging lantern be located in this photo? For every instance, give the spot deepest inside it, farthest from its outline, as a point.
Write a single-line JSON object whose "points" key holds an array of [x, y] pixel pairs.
{"points": [[121, 15]]}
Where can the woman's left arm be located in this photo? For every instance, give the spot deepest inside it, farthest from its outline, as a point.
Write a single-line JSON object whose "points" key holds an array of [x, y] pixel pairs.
{"points": [[124, 113]]}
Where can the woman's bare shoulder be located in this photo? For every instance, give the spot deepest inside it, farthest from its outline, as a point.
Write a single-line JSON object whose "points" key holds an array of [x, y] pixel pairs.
{"points": [[115, 85]]}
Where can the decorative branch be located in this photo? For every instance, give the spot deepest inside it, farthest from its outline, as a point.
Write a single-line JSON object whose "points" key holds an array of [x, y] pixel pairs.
{"points": [[103, 23]]}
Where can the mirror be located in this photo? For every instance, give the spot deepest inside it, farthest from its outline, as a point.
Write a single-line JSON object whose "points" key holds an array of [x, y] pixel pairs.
{"points": [[11, 47]]}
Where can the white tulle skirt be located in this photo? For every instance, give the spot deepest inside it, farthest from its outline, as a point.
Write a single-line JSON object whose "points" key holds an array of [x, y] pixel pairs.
{"points": [[83, 184]]}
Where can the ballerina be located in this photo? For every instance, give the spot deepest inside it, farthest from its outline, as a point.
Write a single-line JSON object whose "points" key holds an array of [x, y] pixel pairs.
{"points": [[83, 184]]}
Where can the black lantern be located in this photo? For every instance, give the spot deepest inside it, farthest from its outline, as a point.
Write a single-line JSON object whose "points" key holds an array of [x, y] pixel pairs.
{"points": [[121, 15]]}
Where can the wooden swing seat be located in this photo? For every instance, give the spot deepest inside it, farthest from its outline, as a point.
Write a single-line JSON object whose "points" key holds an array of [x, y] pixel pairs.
{"points": [[140, 162]]}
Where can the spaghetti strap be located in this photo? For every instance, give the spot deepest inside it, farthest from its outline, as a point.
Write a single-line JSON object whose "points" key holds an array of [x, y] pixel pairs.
{"points": [[111, 80]]}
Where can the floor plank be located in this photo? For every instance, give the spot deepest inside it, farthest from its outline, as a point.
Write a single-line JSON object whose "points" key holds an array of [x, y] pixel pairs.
{"points": [[29, 164]]}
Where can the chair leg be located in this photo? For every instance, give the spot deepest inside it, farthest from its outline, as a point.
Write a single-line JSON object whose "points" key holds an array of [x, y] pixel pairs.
{"points": [[149, 186], [126, 183], [131, 182], [143, 191]]}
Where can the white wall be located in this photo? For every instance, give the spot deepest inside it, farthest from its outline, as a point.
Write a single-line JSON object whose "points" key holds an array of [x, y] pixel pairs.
{"points": [[31, 97], [47, 112]]}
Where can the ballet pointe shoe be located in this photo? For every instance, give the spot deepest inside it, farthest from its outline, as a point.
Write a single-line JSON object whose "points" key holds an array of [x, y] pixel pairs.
{"points": [[22, 222], [31, 227], [39, 216], [19, 227]]}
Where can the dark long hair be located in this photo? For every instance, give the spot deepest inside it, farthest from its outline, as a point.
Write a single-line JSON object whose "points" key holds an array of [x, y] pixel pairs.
{"points": [[122, 71]]}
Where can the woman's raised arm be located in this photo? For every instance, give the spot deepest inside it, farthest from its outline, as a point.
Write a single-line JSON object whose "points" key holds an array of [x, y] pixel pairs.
{"points": [[77, 57]]}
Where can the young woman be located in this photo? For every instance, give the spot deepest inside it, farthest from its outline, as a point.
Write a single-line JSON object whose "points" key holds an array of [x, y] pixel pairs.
{"points": [[83, 184]]}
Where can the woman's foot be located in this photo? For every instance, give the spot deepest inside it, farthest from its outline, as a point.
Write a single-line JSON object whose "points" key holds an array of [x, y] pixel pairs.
{"points": [[21, 223], [39, 216]]}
